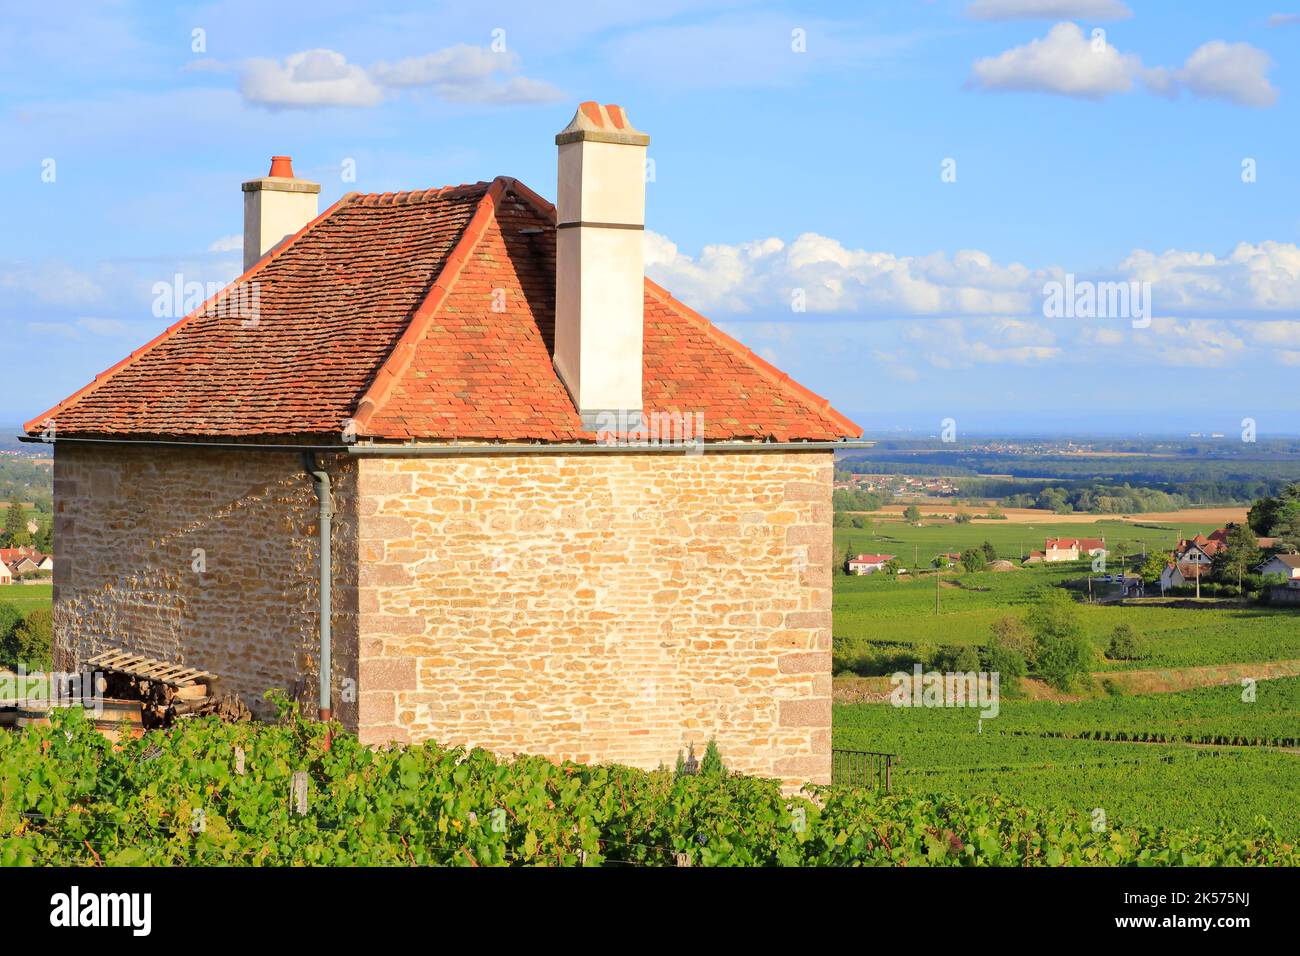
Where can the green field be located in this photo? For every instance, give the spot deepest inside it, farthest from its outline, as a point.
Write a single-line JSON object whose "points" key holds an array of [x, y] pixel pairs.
{"points": [[899, 611], [1203, 758], [1011, 539], [27, 597], [1169, 784]]}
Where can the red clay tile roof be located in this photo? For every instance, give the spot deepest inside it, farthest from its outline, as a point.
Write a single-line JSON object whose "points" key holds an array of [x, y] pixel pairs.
{"points": [[424, 315]]}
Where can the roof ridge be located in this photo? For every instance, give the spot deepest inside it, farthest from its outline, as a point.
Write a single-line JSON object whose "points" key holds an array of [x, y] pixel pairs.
{"points": [[403, 352], [806, 396], [103, 377], [408, 196]]}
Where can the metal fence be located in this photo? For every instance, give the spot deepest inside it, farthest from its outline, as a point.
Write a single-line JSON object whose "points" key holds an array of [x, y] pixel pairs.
{"points": [[862, 768]]}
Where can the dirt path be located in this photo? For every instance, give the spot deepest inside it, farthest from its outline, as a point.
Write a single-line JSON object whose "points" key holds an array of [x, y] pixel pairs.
{"points": [[875, 690], [1032, 516]]}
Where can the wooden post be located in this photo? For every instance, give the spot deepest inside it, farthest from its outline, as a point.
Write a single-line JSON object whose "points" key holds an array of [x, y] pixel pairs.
{"points": [[298, 792], [239, 761]]}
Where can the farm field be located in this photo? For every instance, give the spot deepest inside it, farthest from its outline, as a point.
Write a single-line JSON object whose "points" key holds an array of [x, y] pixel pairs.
{"points": [[1192, 758], [945, 750], [27, 597], [1011, 539], [898, 611], [1213, 517]]}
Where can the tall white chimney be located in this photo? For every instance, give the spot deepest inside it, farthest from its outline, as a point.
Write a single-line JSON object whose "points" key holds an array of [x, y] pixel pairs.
{"points": [[275, 207], [599, 269]]}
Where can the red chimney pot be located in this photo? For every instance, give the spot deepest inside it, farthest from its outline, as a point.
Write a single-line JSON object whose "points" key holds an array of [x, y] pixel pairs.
{"points": [[282, 167]]}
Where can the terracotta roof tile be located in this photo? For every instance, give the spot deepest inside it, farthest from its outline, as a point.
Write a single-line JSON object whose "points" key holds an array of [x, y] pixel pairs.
{"points": [[422, 315]]}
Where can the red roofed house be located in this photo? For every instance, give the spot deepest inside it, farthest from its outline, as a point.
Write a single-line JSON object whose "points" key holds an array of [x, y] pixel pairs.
{"points": [[1072, 549], [869, 563], [563, 513]]}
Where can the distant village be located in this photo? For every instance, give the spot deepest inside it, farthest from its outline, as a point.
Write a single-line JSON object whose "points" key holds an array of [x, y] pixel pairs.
{"points": [[899, 485], [1192, 561]]}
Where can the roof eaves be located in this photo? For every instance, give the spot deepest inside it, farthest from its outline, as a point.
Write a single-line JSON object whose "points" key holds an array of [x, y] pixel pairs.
{"points": [[805, 396]]}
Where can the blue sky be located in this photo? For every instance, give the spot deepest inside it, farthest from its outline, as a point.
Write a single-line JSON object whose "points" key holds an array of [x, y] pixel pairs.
{"points": [[917, 171]]}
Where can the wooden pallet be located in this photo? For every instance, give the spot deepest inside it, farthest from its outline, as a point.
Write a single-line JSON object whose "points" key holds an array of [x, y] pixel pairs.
{"points": [[149, 668]]}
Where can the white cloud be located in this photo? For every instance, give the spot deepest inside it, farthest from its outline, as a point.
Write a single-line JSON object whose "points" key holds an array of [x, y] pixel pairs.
{"points": [[1261, 278], [1231, 71], [1284, 20], [1197, 343], [1273, 334], [1257, 280], [308, 80], [103, 326], [72, 331], [231, 243], [322, 78], [467, 74], [831, 278], [51, 283], [1064, 62], [953, 343], [1048, 10]]}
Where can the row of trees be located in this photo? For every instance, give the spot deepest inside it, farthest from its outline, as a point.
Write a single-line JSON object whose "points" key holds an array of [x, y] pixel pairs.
{"points": [[15, 534], [26, 639], [1099, 499], [1278, 517]]}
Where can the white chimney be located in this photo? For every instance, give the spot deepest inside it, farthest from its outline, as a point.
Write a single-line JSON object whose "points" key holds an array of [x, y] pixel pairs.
{"points": [[275, 207], [599, 269]]}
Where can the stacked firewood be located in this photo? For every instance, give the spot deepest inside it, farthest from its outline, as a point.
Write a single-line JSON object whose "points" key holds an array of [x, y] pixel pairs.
{"points": [[167, 692], [163, 704]]}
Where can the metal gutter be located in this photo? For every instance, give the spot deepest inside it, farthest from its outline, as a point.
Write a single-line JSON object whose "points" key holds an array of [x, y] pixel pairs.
{"points": [[593, 448], [161, 443], [443, 451]]}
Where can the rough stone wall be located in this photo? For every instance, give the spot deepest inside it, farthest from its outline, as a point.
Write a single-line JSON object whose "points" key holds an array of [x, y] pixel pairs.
{"points": [[127, 523], [605, 607]]}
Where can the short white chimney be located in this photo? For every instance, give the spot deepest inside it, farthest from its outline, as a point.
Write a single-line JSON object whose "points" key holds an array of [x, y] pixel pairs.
{"points": [[275, 207], [599, 269]]}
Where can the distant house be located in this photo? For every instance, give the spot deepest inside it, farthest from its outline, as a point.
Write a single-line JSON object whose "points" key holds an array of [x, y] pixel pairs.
{"points": [[1177, 574], [1287, 565], [1201, 549], [1071, 549], [869, 563], [1036, 557], [25, 560], [6, 576]]}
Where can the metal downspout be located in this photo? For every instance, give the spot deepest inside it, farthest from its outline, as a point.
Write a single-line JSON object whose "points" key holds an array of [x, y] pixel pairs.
{"points": [[321, 485]]}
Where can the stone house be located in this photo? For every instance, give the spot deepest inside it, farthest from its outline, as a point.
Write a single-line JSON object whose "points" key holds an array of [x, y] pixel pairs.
{"points": [[868, 563], [455, 444], [1072, 549]]}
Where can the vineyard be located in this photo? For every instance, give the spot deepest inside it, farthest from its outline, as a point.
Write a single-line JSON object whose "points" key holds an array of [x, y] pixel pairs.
{"points": [[1125, 755], [880, 610], [271, 795]]}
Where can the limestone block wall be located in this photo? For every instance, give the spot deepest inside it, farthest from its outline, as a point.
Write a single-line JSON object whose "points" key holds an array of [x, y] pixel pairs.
{"points": [[128, 522], [600, 607]]}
